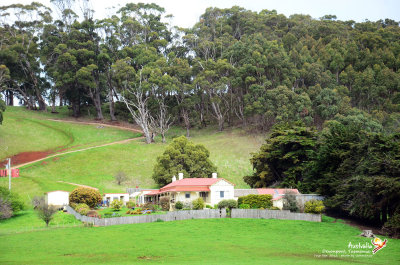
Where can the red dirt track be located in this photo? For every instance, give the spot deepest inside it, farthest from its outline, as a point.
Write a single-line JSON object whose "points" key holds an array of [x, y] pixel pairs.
{"points": [[25, 157]]}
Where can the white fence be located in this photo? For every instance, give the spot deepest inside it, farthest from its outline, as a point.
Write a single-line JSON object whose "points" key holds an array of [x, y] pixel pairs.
{"points": [[274, 214]]}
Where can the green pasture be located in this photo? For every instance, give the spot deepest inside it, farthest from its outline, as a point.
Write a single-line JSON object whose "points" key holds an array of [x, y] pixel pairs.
{"points": [[209, 241]]}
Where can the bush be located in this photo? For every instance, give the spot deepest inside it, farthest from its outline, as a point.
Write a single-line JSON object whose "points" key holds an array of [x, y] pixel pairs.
{"points": [[244, 206], [82, 208], [256, 201], [187, 205], [117, 205], [89, 196], [178, 205], [130, 204], [392, 226], [148, 206], [227, 204], [209, 207], [290, 202], [314, 206], [13, 199], [164, 203], [136, 211], [198, 204], [274, 208], [5, 209], [92, 213]]}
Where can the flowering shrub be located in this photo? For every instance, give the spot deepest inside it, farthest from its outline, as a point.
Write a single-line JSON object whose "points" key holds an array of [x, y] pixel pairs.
{"points": [[117, 205], [314, 206], [82, 208], [89, 196]]}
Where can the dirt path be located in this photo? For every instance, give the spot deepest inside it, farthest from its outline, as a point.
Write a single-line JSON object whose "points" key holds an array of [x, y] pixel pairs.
{"points": [[99, 124], [80, 150]]}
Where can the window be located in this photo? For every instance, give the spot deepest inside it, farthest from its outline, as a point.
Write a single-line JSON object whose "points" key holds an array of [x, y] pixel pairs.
{"points": [[221, 194], [187, 195]]}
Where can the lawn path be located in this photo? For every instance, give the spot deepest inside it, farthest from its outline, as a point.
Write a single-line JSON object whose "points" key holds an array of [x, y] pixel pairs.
{"points": [[80, 150], [88, 148], [99, 124], [80, 185]]}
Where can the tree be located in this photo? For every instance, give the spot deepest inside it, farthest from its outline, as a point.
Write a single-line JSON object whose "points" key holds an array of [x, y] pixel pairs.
{"points": [[183, 156], [290, 201], [45, 211], [120, 177], [2, 109], [283, 159], [89, 196], [13, 199]]}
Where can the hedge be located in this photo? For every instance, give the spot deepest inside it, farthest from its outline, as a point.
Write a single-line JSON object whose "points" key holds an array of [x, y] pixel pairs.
{"points": [[256, 201]]}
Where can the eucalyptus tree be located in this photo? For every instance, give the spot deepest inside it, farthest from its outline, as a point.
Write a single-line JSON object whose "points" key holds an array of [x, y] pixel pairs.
{"points": [[21, 28]]}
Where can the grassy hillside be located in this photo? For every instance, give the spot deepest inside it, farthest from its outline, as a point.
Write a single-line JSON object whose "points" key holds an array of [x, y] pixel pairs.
{"points": [[212, 241], [25, 130], [229, 150]]}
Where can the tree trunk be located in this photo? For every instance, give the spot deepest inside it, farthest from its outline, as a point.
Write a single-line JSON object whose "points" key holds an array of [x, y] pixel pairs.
{"points": [[53, 105], [9, 97], [220, 123], [60, 96], [186, 120], [112, 106]]}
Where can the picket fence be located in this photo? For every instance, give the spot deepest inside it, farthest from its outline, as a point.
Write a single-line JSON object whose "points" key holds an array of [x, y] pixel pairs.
{"points": [[274, 214], [149, 218]]}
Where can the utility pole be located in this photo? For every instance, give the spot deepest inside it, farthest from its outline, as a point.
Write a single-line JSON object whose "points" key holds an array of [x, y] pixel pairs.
{"points": [[9, 173]]}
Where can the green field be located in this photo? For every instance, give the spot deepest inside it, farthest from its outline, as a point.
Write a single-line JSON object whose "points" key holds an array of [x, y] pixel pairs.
{"points": [[212, 241]]}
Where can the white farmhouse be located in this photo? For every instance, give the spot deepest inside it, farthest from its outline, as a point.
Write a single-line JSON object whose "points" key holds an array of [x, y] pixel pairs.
{"points": [[212, 190], [57, 198]]}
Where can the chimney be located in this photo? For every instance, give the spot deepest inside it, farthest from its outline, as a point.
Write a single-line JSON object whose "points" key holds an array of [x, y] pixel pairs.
{"points": [[214, 175], [173, 178], [180, 176]]}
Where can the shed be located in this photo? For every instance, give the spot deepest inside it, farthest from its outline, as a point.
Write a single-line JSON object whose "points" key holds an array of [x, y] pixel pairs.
{"points": [[57, 197]]}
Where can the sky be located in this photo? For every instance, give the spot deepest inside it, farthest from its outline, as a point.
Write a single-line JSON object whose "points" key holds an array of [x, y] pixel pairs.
{"points": [[187, 13]]}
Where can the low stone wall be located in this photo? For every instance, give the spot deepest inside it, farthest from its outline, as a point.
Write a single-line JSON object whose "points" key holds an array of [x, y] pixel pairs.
{"points": [[149, 218], [274, 214]]}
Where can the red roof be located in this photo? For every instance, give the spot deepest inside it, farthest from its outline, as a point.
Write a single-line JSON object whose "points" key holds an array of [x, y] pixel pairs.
{"points": [[189, 184], [153, 192]]}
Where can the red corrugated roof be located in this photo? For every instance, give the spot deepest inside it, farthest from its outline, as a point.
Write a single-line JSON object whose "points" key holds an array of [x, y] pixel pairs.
{"points": [[153, 192]]}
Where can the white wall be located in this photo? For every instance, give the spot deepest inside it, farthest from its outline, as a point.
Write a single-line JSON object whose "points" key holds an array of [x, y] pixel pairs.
{"points": [[117, 196], [57, 198], [215, 189]]}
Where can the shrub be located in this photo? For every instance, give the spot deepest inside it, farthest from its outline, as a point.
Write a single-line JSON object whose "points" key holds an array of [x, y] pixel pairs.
{"points": [[89, 196], [314, 206], [45, 212], [290, 202], [274, 208], [244, 206], [5, 209], [164, 203], [198, 204], [227, 204], [392, 226], [117, 205], [148, 206], [209, 206], [157, 208], [256, 201], [187, 205], [178, 205], [92, 213], [13, 199], [82, 208], [130, 204]]}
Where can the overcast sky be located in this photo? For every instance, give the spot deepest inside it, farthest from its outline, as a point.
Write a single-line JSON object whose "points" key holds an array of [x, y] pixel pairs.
{"points": [[186, 13]]}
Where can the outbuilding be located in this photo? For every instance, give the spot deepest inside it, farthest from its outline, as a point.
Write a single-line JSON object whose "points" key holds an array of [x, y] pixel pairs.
{"points": [[57, 198]]}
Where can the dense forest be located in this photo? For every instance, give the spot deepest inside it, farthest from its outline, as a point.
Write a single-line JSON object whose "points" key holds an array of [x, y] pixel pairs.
{"points": [[234, 67]]}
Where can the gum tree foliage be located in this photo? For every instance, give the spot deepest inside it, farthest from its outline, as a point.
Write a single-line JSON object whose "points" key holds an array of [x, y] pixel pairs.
{"points": [[183, 156], [282, 159]]}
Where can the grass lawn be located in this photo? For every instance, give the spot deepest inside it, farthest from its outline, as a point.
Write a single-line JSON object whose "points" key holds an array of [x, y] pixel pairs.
{"points": [[208, 241], [28, 220]]}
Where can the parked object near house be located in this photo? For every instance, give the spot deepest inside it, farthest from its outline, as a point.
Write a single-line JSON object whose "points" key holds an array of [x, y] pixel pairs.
{"points": [[109, 197], [57, 198], [211, 190]]}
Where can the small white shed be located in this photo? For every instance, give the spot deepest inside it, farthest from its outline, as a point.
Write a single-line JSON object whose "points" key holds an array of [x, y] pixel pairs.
{"points": [[57, 197]]}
